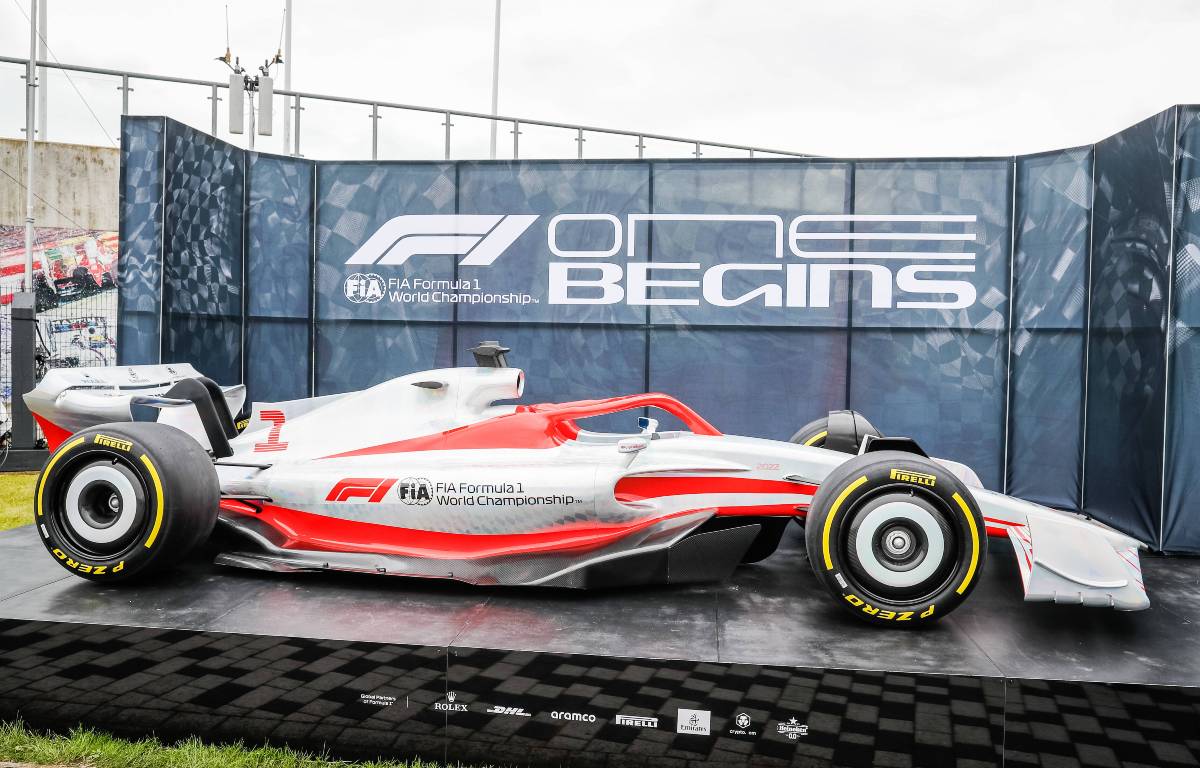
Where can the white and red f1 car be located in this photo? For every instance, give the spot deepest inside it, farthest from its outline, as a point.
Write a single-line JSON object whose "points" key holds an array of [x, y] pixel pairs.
{"points": [[428, 475]]}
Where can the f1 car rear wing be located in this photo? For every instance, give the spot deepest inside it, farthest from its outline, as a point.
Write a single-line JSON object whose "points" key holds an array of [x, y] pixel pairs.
{"points": [[68, 400]]}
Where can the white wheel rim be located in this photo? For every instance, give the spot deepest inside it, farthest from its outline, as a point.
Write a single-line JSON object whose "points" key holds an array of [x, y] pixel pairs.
{"points": [[889, 512], [82, 528]]}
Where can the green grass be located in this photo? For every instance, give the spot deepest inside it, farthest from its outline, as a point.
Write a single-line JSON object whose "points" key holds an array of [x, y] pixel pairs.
{"points": [[99, 750], [16, 499], [86, 747]]}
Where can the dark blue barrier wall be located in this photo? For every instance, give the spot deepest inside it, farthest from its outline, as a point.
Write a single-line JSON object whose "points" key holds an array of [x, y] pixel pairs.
{"points": [[1043, 363], [1049, 326]]}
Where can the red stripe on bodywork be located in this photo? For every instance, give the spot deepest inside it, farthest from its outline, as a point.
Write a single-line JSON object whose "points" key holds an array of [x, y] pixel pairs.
{"points": [[55, 435], [765, 510], [639, 488], [546, 425], [309, 531]]}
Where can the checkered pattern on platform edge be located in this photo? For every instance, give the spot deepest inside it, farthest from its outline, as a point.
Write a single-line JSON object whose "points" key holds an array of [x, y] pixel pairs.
{"points": [[223, 686], [1079, 725], [854, 717]]}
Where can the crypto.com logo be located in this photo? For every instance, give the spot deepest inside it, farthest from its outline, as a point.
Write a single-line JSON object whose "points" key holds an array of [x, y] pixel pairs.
{"points": [[479, 238]]}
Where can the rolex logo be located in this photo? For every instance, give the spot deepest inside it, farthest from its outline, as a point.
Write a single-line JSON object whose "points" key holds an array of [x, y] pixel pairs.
{"points": [[448, 705]]}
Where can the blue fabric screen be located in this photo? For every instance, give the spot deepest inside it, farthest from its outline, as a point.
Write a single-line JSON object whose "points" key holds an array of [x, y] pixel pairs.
{"points": [[1034, 317]]}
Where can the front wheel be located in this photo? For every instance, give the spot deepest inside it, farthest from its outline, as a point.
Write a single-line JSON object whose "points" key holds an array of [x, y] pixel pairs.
{"points": [[119, 501], [895, 538]]}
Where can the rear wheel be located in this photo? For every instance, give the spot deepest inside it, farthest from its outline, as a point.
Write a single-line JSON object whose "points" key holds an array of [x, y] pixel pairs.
{"points": [[895, 538], [839, 431], [119, 501]]}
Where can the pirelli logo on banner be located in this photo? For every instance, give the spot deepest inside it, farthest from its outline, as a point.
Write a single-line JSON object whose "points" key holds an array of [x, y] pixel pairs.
{"points": [[919, 478]]}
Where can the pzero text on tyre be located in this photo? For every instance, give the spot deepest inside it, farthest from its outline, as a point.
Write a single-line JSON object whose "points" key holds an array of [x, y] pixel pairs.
{"points": [[120, 501], [896, 538]]}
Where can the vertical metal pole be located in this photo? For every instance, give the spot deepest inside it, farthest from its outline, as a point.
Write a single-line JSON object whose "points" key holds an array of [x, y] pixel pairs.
{"points": [[124, 94], [579, 140], [43, 92], [214, 98], [641, 147], [516, 139], [296, 132], [374, 131], [287, 73], [30, 111], [24, 348], [495, 77], [696, 152], [250, 96], [447, 124], [752, 154]]}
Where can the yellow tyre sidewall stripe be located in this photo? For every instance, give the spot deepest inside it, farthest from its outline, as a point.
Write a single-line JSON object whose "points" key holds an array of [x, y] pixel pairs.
{"points": [[158, 501], [53, 460], [974, 543], [837, 504], [816, 437]]}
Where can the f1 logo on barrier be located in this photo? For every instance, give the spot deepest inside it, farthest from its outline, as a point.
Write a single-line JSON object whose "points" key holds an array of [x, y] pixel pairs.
{"points": [[478, 238]]}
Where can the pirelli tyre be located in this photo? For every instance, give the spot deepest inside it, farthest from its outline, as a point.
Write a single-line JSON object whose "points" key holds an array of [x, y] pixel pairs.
{"points": [[839, 431], [895, 538], [122, 501]]}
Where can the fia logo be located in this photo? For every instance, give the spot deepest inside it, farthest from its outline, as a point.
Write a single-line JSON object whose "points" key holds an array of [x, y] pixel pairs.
{"points": [[415, 490], [363, 289]]}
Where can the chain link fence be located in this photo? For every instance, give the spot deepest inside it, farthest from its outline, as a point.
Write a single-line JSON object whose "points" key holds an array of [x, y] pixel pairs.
{"points": [[75, 281]]}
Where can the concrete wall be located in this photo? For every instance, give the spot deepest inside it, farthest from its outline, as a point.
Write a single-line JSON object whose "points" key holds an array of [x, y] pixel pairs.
{"points": [[78, 185]]}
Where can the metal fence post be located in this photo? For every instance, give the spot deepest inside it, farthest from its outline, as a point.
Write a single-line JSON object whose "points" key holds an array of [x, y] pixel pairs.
{"points": [[579, 140], [296, 127], [516, 132], [752, 154], [24, 347], [214, 99], [124, 89], [697, 150], [641, 146], [374, 131], [447, 124]]}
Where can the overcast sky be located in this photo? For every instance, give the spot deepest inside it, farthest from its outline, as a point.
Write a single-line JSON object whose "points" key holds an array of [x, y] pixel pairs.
{"points": [[838, 78]]}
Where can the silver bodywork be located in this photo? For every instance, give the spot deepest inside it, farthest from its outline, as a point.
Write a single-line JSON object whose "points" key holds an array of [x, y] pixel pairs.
{"points": [[296, 455]]}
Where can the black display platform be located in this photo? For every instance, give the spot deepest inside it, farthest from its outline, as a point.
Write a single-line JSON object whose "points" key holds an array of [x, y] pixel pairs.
{"points": [[365, 666]]}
